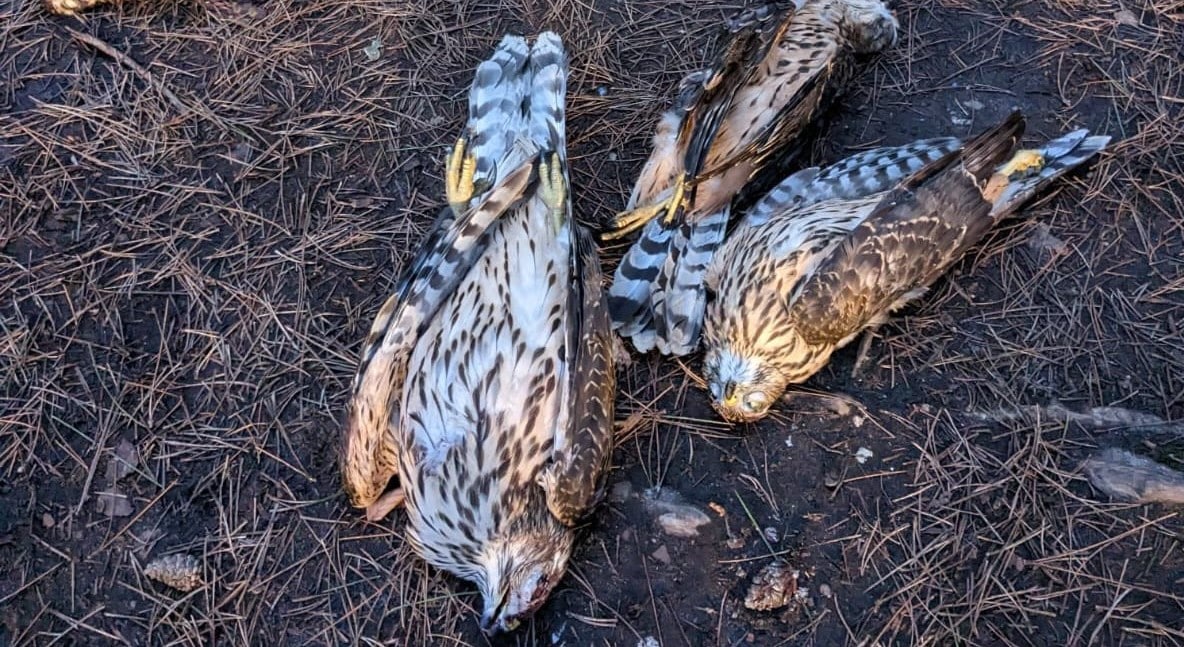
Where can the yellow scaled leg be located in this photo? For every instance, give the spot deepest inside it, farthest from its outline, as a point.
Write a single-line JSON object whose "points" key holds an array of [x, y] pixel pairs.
{"points": [[458, 176], [553, 187], [627, 222], [1024, 161]]}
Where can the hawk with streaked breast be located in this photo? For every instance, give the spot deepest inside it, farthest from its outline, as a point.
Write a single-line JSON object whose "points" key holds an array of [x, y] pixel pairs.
{"points": [[487, 383], [827, 254], [728, 122]]}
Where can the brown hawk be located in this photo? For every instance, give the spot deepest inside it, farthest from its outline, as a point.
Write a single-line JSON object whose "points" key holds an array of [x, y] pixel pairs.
{"points": [[727, 123], [487, 382], [826, 254]]}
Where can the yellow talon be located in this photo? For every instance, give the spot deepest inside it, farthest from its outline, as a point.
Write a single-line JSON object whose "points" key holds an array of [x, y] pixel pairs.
{"points": [[627, 222], [458, 176], [553, 187], [676, 199], [1023, 162]]}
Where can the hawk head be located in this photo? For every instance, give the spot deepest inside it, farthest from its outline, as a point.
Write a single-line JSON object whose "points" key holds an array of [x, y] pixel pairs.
{"points": [[519, 573], [869, 25], [368, 453], [743, 387]]}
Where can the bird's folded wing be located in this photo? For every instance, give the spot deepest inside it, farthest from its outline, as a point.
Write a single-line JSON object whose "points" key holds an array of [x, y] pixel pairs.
{"points": [[901, 247], [781, 131], [735, 67], [574, 479]]}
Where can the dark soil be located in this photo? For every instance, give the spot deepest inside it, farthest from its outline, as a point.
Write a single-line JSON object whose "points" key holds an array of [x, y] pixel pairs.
{"points": [[191, 253]]}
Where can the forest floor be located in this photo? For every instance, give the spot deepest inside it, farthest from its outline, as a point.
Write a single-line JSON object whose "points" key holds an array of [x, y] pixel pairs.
{"points": [[204, 205]]}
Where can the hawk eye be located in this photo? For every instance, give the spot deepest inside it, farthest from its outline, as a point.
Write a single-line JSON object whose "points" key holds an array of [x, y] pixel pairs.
{"points": [[755, 402], [540, 588]]}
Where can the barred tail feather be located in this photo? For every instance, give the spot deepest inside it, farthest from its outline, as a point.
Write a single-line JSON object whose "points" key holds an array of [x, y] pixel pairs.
{"points": [[548, 91], [629, 295], [857, 176], [681, 283], [496, 116], [788, 194], [645, 338], [1061, 155], [878, 169]]}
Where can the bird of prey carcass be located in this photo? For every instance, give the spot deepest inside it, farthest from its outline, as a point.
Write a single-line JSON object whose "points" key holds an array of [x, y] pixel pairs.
{"points": [[827, 254], [729, 121], [486, 385]]}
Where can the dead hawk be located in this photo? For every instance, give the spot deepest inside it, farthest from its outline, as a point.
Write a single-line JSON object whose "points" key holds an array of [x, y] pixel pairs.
{"points": [[829, 253], [487, 382], [728, 122]]}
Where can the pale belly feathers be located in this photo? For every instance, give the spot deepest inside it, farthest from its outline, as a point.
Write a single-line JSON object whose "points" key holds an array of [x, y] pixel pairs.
{"points": [[483, 391]]}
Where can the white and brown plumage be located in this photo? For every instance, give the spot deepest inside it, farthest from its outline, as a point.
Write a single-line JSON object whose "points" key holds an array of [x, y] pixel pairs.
{"points": [[827, 254], [487, 383], [770, 81]]}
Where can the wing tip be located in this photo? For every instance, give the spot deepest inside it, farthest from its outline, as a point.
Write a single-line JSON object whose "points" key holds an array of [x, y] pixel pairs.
{"points": [[992, 147]]}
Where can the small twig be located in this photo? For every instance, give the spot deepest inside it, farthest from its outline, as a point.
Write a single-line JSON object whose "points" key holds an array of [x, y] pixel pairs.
{"points": [[123, 59], [131, 64], [755, 525]]}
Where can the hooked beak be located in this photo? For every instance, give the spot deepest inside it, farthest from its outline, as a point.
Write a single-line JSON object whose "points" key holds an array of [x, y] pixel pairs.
{"points": [[492, 622], [732, 408], [729, 398], [729, 395]]}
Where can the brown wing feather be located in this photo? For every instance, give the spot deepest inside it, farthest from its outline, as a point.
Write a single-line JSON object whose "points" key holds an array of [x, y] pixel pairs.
{"points": [[686, 130], [739, 65], [574, 481], [805, 63], [910, 238]]}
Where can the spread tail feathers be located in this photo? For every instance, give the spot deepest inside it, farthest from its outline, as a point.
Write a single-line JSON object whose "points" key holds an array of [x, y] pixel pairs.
{"points": [[679, 321], [629, 296], [658, 296]]}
